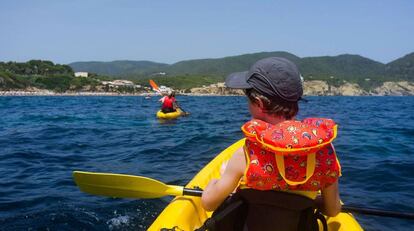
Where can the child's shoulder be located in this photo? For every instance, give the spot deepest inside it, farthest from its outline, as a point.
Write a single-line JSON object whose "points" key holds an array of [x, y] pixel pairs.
{"points": [[238, 160]]}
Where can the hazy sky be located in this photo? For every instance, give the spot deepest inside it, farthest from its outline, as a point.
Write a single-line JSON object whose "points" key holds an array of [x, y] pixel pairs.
{"points": [[169, 31]]}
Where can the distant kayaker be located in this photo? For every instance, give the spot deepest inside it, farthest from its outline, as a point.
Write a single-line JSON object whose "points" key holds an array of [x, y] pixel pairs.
{"points": [[280, 154], [169, 103]]}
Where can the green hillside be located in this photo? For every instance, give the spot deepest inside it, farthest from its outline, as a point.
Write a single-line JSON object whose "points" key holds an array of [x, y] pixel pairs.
{"points": [[117, 68], [182, 81], [402, 68], [221, 66], [194, 73], [342, 66], [353, 68], [337, 69], [41, 74]]}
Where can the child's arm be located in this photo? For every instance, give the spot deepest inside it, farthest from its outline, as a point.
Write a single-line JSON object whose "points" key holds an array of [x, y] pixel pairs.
{"points": [[175, 104], [330, 203], [217, 190]]}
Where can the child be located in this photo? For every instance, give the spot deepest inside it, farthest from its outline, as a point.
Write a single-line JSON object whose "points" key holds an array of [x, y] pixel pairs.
{"points": [[280, 153], [169, 103]]}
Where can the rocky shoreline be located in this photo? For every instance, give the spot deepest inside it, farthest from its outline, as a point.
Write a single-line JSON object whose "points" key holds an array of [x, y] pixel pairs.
{"points": [[322, 88], [311, 88], [51, 93]]}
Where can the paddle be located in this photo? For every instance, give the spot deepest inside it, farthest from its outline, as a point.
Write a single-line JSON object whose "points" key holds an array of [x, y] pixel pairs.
{"points": [[129, 186], [154, 86], [377, 212], [185, 113]]}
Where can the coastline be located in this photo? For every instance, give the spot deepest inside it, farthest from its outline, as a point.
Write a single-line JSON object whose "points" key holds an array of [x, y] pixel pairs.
{"points": [[51, 93], [311, 88], [146, 94], [41, 93]]}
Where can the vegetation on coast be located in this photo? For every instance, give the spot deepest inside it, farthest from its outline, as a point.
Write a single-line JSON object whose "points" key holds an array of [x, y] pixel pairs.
{"points": [[39, 74], [182, 81], [335, 70], [42, 74]]}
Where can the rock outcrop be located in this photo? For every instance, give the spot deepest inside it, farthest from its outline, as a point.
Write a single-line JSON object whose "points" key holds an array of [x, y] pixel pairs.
{"points": [[311, 88], [395, 88], [348, 89], [316, 87], [320, 88], [215, 89]]}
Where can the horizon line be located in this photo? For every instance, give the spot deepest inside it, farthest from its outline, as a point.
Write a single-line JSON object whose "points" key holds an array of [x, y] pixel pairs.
{"points": [[184, 60]]}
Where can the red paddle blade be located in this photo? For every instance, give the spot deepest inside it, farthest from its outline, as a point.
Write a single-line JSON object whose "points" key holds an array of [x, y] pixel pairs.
{"points": [[154, 85]]}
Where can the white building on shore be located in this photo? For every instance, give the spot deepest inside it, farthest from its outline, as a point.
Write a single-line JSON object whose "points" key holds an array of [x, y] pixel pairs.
{"points": [[120, 83], [81, 74]]}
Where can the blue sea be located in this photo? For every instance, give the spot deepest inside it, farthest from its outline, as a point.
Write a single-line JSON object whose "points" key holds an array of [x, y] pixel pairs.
{"points": [[44, 139]]}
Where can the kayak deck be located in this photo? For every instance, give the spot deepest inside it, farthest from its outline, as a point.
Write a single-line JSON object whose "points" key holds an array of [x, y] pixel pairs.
{"points": [[186, 212]]}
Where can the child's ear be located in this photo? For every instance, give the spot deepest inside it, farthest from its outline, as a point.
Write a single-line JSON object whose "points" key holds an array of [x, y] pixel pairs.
{"points": [[260, 102]]}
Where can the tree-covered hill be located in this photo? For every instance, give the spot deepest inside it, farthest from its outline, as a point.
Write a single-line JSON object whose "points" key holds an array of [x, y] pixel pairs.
{"points": [[341, 66], [219, 66], [41, 74], [222, 66], [402, 68], [335, 69], [35, 67], [117, 68]]}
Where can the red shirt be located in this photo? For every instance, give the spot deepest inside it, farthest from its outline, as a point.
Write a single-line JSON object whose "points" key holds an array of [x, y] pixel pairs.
{"points": [[168, 102]]}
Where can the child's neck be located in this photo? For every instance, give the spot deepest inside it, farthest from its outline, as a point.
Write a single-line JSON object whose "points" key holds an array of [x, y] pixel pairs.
{"points": [[272, 119]]}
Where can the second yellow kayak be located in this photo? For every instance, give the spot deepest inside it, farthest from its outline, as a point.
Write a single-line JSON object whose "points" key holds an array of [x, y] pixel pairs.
{"points": [[171, 115]]}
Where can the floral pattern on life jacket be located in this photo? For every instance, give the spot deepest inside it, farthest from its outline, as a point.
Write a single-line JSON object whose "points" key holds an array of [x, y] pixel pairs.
{"points": [[293, 140]]}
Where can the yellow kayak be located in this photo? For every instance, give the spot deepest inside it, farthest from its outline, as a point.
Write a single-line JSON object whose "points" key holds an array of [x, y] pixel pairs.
{"points": [[186, 212], [171, 115]]}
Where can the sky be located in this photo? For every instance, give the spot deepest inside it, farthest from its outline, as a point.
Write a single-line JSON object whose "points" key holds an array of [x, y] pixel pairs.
{"points": [[169, 31]]}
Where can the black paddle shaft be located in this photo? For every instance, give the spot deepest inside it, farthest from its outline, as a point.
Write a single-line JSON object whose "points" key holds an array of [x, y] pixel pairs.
{"points": [[192, 192], [377, 212]]}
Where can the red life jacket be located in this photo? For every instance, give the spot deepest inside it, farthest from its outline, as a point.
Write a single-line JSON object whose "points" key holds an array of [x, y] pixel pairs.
{"points": [[291, 155], [168, 102]]}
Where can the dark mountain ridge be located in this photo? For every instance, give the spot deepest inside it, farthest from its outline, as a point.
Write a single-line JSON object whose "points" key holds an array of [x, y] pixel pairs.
{"points": [[115, 68], [402, 67], [345, 66]]}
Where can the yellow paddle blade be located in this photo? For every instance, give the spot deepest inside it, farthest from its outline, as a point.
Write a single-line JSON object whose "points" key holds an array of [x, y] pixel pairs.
{"points": [[123, 186], [154, 85]]}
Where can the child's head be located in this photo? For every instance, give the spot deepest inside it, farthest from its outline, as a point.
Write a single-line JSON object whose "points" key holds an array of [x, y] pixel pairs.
{"points": [[274, 106], [274, 84]]}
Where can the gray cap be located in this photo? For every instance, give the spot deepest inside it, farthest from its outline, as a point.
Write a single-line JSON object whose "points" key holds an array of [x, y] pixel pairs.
{"points": [[272, 77]]}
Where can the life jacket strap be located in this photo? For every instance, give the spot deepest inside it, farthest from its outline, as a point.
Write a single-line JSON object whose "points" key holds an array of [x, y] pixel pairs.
{"points": [[310, 168]]}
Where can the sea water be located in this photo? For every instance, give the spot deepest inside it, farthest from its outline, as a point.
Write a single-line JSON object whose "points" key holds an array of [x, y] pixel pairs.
{"points": [[44, 139]]}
